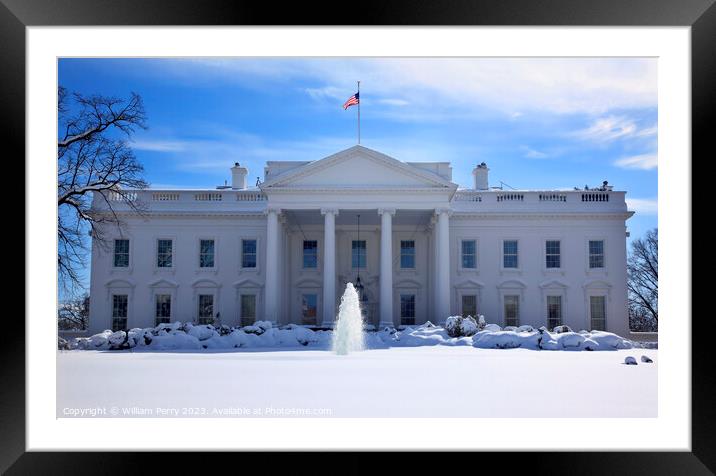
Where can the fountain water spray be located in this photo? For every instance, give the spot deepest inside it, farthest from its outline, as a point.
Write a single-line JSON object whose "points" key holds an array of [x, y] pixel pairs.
{"points": [[348, 329]]}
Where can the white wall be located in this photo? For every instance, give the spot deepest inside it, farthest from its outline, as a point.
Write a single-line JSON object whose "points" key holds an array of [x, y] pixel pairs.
{"points": [[485, 281], [538, 281], [186, 274]]}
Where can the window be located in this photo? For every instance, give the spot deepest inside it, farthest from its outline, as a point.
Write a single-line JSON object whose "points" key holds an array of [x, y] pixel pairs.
{"points": [[121, 253], [164, 253], [358, 254], [554, 311], [598, 312], [309, 309], [119, 312], [164, 309], [469, 254], [552, 250], [248, 309], [469, 305], [407, 254], [206, 308], [407, 309], [509, 254], [512, 310], [310, 254], [206, 253], [248, 253], [596, 254]]}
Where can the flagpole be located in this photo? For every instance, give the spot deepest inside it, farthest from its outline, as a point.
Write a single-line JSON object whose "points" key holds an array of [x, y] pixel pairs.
{"points": [[358, 112]]}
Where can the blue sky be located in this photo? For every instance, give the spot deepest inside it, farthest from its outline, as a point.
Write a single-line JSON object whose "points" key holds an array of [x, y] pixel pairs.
{"points": [[538, 122]]}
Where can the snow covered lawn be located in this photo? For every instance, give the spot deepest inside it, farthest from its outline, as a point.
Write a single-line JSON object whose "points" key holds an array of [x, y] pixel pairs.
{"points": [[427, 381]]}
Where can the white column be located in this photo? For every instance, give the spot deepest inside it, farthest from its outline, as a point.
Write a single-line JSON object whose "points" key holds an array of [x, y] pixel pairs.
{"points": [[433, 269], [272, 271], [386, 267], [283, 256], [442, 285], [329, 266]]}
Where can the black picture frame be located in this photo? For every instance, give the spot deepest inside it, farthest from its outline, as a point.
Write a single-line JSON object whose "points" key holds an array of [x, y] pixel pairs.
{"points": [[700, 15]]}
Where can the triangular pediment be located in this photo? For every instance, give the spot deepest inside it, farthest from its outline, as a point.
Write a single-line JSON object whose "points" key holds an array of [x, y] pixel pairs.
{"points": [[357, 168]]}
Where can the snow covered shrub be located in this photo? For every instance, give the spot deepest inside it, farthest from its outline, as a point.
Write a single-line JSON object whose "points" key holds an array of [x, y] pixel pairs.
{"points": [[256, 330], [224, 330], [458, 326], [561, 329], [492, 328], [505, 340], [62, 344], [468, 326], [202, 332], [525, 328], [302, 335], [120, 340], [258, 327], [453, 326]]}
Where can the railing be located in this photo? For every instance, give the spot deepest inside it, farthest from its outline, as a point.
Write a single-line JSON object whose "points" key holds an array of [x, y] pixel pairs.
{"points": [[595, 197], [468, 197], [538, 200], [250, 197], [208, 197], [187, 200], [510, 197], [552, 197], [122, 197], [165, 196]]}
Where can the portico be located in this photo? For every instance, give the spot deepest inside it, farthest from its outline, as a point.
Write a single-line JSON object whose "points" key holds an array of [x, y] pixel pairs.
{"points": [[384, 192], [392, 251]]}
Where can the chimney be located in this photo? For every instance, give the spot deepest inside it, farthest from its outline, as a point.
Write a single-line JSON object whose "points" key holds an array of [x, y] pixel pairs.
{"points": [[480, 174], [238, 176]]}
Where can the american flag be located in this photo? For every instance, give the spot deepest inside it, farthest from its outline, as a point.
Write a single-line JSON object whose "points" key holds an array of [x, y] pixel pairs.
{"points": [[353, 100]]}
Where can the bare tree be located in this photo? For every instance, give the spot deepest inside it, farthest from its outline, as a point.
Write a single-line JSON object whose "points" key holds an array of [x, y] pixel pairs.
{"points": [[643, 278], [93, 157], [74, 314]]}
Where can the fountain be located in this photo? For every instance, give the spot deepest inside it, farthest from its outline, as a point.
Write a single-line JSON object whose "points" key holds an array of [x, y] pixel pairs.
{"points": [[348, 329]]}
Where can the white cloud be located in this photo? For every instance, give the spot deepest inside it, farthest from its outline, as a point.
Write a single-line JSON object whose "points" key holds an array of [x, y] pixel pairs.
{"points": [[611, 128], [214, 157], [159, 145], [328, 92], [393, 102], [644, 206], [640, 162], [532, 153], [554, 85]]}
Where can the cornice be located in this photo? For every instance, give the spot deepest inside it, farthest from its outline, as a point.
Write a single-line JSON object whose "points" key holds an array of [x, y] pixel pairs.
{"points": [[540, 215]]}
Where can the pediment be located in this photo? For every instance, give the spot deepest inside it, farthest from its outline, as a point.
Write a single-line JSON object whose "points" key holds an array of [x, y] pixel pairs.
{"points": [[248, 283], [512, 284], [470, 284], [596, 284], [553, 283], [357, 168], [163, 283]]}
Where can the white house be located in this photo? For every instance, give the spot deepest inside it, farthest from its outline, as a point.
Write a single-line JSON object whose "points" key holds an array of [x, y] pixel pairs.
{"points": [[422, 248]]}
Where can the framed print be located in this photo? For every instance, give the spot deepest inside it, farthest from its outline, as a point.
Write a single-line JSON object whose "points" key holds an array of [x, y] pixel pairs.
{"points": [[407, 229]]}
